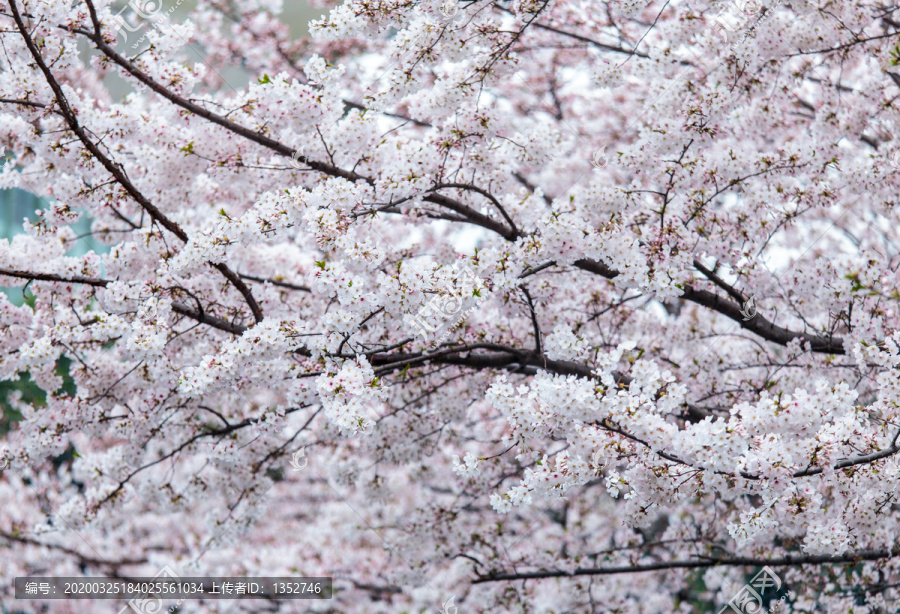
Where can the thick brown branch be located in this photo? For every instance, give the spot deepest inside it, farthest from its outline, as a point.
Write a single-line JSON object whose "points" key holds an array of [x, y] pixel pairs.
{"points": [[194, 314], [77, 279], [761, 326], [75, 126], [115, 169], [27, 103], [512, 231], [205, 318], [758, 324], [785, 561], [491, 356], [844, 463], [82, 558], [247, 133], [473, 356], [275, 282], [328, 169]]}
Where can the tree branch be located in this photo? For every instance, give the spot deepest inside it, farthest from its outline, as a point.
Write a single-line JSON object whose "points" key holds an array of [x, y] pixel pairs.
{"points": [[84, 559], [785, 561], [115, 169], [759, 325], [194, 314]]}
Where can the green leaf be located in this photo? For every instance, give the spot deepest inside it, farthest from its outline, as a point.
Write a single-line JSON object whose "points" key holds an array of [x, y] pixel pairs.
{"points": [[320, 264], [265, 79]]}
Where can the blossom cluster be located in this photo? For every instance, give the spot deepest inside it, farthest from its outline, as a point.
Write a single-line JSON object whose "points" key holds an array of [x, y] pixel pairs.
{"points": [[487, 265]]}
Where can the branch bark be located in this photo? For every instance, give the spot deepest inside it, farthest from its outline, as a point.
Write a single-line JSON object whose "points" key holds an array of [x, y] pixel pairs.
{"points": [[194, 314], [784, 561], [115, 169], [759, 325]]}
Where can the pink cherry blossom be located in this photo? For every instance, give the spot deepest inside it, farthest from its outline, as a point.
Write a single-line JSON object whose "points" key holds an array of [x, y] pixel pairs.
{"points": [[569, 307]]}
